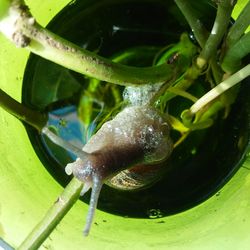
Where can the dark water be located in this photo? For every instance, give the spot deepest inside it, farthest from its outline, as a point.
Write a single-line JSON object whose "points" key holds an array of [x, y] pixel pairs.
{"points": [[199, 167]]}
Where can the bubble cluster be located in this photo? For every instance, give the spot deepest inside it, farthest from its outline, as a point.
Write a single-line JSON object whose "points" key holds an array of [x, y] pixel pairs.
{"points": [[140, 95]]}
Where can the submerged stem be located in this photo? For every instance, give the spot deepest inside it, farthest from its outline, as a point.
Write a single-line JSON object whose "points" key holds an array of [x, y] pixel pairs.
{"points": [[194, 22], [34, 118], [52, 218], [221, 88], [221, 22]]}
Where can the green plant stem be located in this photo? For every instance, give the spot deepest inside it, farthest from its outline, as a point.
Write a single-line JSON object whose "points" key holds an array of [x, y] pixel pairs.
{"points": [[183, 93], [23, 30], [194, 22], [216, 69], [219, 89], [200, 33], [239, 27], [232, 60], [221, 22], [55, 214], [183, 84], [34, 118]]}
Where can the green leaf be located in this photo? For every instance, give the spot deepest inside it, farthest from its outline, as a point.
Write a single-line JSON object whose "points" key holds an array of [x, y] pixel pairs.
{"points": [[177, 125]]}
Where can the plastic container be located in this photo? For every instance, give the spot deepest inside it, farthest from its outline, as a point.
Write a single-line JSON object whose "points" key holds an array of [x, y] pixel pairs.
{"points": [[27, 190]]}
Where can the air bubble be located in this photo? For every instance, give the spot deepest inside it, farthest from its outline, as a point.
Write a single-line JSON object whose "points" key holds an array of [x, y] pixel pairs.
{"points": [[154, 213], [140, 95]]}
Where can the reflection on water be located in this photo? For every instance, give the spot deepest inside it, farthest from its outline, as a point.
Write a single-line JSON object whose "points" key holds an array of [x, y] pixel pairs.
{"points": [[66, 124]]}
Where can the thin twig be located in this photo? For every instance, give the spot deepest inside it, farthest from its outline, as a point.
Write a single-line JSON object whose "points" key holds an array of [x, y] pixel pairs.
{"points": [[221, 22], [55, 214], [32, 117], [221, 88]]}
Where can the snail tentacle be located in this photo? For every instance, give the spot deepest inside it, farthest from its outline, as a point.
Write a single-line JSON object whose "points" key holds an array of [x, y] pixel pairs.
{"points": [[96, 189], [85, 188], [91, 179], [64, 144]]}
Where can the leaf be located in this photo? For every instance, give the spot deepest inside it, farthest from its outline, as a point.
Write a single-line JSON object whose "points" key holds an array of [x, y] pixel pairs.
{"points": [[177, 125], [51, 83]]}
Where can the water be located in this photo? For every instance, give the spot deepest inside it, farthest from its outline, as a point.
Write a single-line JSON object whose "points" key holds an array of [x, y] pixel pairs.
{"points": [[78, 105]]}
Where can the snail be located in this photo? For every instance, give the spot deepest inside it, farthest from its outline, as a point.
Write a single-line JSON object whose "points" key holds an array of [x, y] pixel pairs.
{"points": [[126, 153]]}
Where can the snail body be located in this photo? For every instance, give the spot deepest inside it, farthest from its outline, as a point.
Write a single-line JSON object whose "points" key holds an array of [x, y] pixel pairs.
{"points": [[137, 136], [125, 153]]}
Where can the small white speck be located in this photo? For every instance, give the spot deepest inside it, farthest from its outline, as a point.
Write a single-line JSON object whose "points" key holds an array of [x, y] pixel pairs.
{"points": [[31, 21], [215, 29]]}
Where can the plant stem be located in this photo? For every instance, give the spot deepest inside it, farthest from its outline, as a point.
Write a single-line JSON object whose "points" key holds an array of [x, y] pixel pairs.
{"points": [[239, 27], [197, 27], [183, 93], [59, 209], [219, 89], [222, 19], [200, 32], [186, 82], [34, 118], [216, 69], [232, 59], [21, 28]]}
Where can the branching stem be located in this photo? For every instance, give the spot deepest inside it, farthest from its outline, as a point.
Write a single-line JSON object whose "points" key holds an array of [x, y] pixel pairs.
{"points": [[221, 22]]}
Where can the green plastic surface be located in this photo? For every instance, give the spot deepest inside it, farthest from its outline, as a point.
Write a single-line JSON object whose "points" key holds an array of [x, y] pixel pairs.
{"points": [[27, 190]]}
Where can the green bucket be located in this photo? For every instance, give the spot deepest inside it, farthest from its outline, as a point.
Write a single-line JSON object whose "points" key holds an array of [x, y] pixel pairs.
{"points": [[27, 190]]}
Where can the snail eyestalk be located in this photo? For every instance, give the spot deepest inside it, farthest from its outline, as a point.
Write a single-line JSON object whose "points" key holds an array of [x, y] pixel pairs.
{"points": [[96, 189], [64, 144]]}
